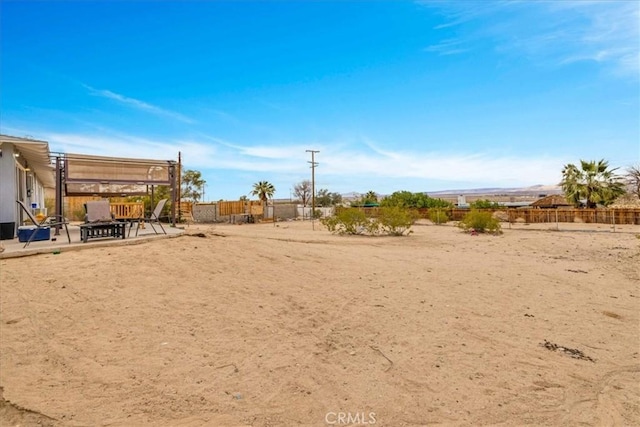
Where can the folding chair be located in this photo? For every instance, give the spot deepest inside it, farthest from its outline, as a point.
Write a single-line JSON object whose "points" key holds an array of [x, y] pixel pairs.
{"points": [[154, 217], [99, 222], [46, 223], [98, 211]]}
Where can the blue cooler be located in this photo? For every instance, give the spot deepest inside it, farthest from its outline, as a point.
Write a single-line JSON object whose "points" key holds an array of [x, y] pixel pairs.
{"points": [[24, 233]]}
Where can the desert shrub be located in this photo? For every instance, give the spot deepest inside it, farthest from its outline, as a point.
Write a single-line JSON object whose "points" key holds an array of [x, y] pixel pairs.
{"points": [[438, 216], [331, 223], [484, 204], [395, 220], [78, 214], [414, 200], [347, 221], [480, 222]]}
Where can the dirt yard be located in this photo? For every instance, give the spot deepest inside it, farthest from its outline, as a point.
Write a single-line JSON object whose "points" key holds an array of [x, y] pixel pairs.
{"points": [[263, 325]]}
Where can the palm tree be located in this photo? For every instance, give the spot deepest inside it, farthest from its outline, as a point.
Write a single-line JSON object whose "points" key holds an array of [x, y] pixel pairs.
{"points": [[370, 198], [593, 182], [264, 190]]}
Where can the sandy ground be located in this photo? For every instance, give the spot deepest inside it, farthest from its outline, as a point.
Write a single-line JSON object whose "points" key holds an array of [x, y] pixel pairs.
{"points": [[258, 325]]}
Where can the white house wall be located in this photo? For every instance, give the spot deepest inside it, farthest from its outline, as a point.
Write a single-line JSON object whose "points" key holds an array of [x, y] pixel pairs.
{"points": [[17, 183], [8, 185]]}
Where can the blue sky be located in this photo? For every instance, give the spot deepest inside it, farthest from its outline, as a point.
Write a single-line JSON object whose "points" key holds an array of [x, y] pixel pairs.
{"points": [[396, 95]]}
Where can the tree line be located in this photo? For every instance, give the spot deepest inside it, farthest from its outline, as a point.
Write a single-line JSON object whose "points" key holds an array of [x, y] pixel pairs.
{"points": [[587, 184]]}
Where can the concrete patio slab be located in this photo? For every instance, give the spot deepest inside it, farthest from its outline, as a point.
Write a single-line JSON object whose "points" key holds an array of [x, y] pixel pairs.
{"points": [[58, 244]]}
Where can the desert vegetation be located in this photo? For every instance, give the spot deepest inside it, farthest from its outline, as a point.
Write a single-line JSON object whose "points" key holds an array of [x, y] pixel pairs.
{"points": [[481, 222], [392, 221], [407, 199]]}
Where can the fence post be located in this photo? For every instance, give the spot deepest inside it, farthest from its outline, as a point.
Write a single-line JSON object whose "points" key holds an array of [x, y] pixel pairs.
{"points": [[557, 223], [613, 219]]}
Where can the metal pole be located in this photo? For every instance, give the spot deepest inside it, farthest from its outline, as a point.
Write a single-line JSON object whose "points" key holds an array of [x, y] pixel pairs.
{"points": [[313, 186], [174, 192], [59, 191]]}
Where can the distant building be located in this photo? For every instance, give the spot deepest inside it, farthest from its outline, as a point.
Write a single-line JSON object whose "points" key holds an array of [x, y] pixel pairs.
{"points": [[552, 202]]}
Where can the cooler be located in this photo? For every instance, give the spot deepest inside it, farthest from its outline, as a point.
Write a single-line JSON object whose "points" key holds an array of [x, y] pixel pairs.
{"points": [[24, 233]]}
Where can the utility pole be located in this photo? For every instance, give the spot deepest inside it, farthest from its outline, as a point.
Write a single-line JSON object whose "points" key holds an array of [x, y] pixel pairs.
{"points": [[177, 188], [313, 186]]}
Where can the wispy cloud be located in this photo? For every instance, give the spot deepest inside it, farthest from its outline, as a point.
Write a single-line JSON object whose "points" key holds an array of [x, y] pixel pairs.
{"points": [[444, 166], [347, 160], [560, 32], [342, 161], [122, 145], [447, 47], [457, 16], [610, 33], [137, 104]]}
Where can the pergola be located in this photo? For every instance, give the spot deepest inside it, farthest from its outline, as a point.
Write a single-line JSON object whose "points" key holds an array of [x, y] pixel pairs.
{"points": [[84, 175]]}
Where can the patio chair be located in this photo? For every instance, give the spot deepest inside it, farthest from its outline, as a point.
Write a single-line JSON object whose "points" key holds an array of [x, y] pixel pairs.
{"points": [[45, 224], [154, 217], [98, 211], [100, 222]]}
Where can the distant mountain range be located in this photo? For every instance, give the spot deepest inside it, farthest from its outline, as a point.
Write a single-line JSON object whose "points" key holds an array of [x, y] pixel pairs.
{"points": [[534, 190]]}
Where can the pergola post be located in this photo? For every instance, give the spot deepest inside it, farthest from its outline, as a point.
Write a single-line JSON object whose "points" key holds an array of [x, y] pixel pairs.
{"points": [[174, 191], [59, 191]]}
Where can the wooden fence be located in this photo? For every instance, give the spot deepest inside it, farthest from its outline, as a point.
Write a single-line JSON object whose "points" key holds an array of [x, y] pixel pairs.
{"points": [[618, 216], [74, 208], [127, 209], [253, 207], [595, 216]]}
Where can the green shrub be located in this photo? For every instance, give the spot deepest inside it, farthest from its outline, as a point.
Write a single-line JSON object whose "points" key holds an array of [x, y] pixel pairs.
{"points": [[395, 220], [438, 216], [330, 222], [78, 214], [347, 221], [480, 221], [484, 204], [408, 199]]}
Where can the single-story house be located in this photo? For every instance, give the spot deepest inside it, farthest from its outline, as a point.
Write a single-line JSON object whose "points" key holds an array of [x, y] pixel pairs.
{"points": [[25, 172], [27, 169]]}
